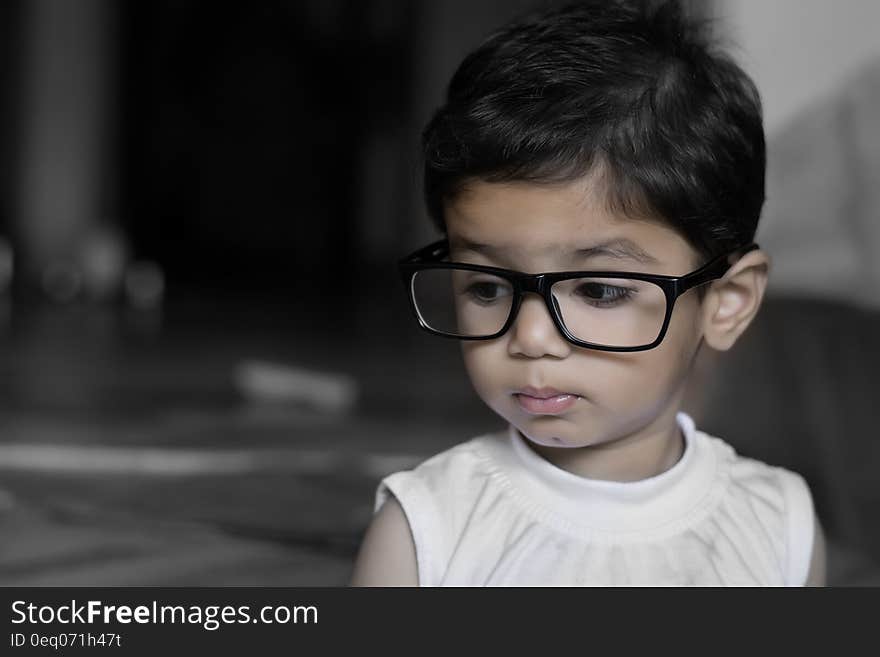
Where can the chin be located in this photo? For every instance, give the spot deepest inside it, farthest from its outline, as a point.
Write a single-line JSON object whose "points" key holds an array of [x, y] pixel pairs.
{"points": [[555, 441], [547, 437]]}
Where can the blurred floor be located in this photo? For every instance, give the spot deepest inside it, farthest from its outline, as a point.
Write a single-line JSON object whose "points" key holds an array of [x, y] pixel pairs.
{"points": [[128, 455]]}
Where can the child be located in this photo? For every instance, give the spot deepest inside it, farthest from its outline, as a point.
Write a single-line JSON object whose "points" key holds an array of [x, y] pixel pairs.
{"points": [[598, 171]]}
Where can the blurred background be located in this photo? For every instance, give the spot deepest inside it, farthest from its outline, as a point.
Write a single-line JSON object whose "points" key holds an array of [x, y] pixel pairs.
{"points": [[206, 358]]}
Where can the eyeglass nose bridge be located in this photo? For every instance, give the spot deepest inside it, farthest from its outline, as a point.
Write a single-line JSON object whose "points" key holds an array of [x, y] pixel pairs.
{"points": [[538, 284]]}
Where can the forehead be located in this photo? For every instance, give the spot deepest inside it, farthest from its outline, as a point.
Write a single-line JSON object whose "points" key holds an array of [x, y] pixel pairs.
{"points": [[560, 226]]}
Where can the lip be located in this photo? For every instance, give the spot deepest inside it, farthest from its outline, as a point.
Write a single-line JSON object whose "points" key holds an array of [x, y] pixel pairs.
{"points": [[544, 401]]}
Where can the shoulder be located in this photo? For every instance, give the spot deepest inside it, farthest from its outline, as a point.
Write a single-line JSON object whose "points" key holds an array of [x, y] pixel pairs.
{"points": [[417, 511], [387, 555], [778, 501], [450, 472]]}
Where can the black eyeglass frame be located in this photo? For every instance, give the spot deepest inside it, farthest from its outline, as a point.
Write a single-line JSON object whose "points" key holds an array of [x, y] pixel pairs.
{"points": [[429, 257]]}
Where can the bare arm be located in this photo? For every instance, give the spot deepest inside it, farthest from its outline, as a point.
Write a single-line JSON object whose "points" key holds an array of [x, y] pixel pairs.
{"points": [[387, 556], [816, 576]]}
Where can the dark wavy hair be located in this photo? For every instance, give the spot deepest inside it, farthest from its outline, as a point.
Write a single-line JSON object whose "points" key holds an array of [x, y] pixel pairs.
{"points": [[631, 89]]}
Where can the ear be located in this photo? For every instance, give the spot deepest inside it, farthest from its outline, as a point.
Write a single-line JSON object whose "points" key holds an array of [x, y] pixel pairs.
{"points": [[732, 301]]}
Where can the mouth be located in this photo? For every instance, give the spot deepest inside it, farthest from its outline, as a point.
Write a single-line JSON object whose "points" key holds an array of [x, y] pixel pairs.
{"points": [[544, 401]]}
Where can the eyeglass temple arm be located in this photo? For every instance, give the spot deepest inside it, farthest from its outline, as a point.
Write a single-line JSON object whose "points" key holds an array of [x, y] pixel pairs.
{"points": [[714, 269]]}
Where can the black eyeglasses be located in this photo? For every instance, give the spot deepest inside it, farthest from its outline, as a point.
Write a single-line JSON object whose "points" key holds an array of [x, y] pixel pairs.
{"points": [[605, 310]]}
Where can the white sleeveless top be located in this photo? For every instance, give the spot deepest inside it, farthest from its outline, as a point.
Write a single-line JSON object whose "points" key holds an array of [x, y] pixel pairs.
{"points": [[492, 512]]}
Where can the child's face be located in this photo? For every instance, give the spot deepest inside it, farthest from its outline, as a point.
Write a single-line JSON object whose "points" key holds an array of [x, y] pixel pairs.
{"points": [[539, 228]]}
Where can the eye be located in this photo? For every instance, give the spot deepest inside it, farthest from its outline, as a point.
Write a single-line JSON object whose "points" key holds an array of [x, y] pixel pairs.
{"points": [[602, 294], [486, 292]]}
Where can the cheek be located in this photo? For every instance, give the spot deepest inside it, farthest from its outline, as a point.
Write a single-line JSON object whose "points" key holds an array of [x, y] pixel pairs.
{"points": [[667, 365], [620, 379], [484, 365], [685, 327]]}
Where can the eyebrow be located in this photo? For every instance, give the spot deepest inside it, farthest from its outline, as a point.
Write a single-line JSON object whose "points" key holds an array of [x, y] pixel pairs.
{"points": [[620, 248]]}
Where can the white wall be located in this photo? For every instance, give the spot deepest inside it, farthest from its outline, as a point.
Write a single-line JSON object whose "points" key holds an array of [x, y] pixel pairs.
{"points": [[797, 51], [817, 66]]}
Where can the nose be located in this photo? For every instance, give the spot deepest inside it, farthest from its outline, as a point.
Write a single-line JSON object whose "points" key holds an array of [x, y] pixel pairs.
{"points": [[533, 333]]}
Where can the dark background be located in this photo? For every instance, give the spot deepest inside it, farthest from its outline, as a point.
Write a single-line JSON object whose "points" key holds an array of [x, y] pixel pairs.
{"points": [[245, 130]]}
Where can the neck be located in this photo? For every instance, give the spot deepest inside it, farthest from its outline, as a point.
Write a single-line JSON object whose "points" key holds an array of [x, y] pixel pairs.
{"points": [[642, 454]]}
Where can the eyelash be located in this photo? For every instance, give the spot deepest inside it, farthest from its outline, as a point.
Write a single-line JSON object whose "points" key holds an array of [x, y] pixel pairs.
{"points": [[621, 294]]}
